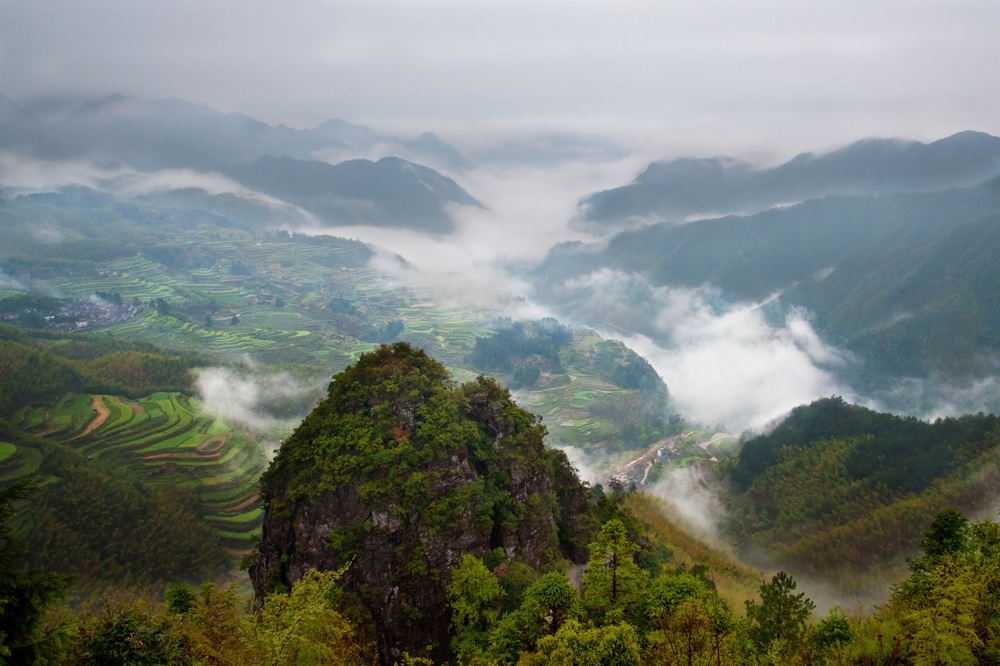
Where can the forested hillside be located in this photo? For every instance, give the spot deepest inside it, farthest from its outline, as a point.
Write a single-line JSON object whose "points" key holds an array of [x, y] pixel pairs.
{"points": [[276, 161], [674, 190], [422, 511], [905, 282], [138, 487], [406, 525], [840, 491], [164, 270]]}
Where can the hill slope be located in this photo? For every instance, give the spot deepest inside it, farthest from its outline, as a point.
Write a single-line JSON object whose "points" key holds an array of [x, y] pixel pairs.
{"points": [[681, 188], [841, 491], [282, 162], [399, 473], [905, 281]]}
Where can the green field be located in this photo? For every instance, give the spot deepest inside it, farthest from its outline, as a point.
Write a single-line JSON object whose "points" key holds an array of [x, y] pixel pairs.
{"points": [[292, 303], [165, 437]]}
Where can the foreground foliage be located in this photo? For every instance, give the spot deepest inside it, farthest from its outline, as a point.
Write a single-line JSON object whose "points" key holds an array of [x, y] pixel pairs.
{"points": [[944, 612]]}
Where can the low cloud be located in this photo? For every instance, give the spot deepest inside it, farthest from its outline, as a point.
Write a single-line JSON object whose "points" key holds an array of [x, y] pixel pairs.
{"points": [[12, 283], [527, 210], [937, 397], [696, 501], [587, 467], [22, 174], [724, 364], [266, 403]]}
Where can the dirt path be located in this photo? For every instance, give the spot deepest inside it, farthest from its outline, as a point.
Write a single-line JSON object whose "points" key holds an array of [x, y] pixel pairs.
{"points": [[102, 415], [211, 445], [245, 504], [716, 437], [647, 457], [651, 454]]}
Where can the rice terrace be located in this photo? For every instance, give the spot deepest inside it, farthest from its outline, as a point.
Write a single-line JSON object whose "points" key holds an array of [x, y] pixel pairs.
{"points": [[164, 437]]}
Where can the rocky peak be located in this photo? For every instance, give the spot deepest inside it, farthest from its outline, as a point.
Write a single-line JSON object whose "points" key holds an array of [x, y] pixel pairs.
{"points": [[398, 473]]}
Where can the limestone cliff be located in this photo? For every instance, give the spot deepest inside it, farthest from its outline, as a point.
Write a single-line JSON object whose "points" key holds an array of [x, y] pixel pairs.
{"points": [[398, 473]]}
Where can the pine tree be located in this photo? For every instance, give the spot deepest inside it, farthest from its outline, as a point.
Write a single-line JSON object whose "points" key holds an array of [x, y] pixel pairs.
{"points": [[779, 620], [613, 583]]}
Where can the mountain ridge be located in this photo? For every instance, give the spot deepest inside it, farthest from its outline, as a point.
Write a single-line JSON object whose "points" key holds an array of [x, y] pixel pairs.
{"points": [[678, 189]]}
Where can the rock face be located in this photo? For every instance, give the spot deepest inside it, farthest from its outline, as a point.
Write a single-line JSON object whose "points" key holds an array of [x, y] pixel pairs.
{"points": [[396, 475]]}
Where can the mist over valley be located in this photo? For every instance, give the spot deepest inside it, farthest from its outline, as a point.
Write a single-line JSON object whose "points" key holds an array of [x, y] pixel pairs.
{"points": [[350, 336]]}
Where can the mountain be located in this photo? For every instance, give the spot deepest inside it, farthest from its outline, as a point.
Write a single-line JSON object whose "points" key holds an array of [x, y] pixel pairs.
{"points": [[391, 192], [842, 491], [679, 189], [441, 152], [172, 133], [398, 474], [907, 282], [169, 133], [280, 161]]}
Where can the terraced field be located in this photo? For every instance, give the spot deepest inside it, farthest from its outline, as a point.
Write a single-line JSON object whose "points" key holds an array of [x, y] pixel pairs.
{"points": [[564, 401], [305, 305], [279, 290], [166, 438]]}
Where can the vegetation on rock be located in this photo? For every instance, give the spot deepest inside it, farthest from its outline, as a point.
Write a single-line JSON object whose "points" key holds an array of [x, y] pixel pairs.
{"points": [[399, 473]]}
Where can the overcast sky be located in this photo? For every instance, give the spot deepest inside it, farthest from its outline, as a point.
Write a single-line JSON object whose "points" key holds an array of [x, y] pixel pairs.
{"points": [[768, 76]]}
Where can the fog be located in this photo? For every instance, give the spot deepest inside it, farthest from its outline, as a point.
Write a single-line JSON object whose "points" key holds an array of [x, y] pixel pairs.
{"points": [[706, 76], [268, 404], [740, 373], [8, 282], [547, 101], [527, 210], [934, 397], [725, 364], [698, 506]]}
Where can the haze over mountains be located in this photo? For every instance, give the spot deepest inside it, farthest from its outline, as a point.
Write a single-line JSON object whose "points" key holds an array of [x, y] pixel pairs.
{"points": [[906, 282], [677, 189], [865, 266], [278, 161]]}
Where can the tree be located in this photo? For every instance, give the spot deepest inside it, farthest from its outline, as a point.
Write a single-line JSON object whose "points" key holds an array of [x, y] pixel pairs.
{"points": [[235, 320], [779, 620], [26, 593], [833, 632], [303, 627], [473, 595], [572, 645], [613, 583], [547, 605], [693, 626], [129, 633], [948, 535], [162, 307], [208, 623]]}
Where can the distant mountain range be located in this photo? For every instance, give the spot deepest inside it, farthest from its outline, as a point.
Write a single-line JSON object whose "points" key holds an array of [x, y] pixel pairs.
{"points": [[909, 282], [677, 190], [290, 164]]}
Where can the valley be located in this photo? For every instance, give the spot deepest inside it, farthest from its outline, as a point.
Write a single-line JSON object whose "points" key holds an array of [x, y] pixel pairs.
{"points": [[659, 393]]}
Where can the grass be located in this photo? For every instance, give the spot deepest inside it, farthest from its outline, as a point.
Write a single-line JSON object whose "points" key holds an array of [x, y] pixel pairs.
{"points": [[6, 451], [734, 580]]}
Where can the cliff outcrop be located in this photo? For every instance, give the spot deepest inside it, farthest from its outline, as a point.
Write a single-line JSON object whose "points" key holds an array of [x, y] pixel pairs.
{"points": [[397, 474]]}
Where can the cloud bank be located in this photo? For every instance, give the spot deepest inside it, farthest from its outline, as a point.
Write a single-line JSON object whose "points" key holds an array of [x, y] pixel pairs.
{"points": [[724, 364], [265, 403]]}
